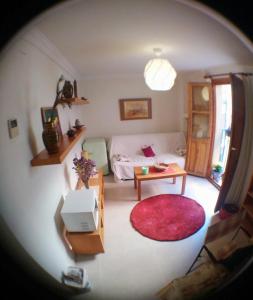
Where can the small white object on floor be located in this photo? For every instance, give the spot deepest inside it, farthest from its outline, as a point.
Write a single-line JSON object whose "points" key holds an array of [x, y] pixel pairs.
{"points": [[76, 277]]}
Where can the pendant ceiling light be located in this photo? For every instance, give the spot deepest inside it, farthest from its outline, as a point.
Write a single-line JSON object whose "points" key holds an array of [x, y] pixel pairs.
{"points": [[159, 74]]}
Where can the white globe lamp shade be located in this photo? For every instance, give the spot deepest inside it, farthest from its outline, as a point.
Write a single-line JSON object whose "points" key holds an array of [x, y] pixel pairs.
{"points": [[159, 74]]}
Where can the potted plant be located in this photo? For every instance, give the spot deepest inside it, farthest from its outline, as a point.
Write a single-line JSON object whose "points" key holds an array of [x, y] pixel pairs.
{"points": [[85, 168], [217, 172]]}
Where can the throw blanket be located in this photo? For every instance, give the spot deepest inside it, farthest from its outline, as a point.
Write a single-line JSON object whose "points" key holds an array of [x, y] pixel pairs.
{"points": [[121, 157]]}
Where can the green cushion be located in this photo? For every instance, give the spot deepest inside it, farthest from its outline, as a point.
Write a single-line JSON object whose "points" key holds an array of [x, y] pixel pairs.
{"points": [[96, 148]]}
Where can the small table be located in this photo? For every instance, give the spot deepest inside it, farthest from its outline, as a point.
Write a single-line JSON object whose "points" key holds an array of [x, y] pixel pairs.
{"points": [[173, 171]]}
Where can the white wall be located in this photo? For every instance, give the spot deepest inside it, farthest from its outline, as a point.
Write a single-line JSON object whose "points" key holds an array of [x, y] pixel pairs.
{"points": [[102, 115], [169, 109], [30, 196]]}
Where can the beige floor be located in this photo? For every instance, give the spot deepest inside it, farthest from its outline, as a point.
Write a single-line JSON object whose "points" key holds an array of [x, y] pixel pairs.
{"points": [[133, 266]]}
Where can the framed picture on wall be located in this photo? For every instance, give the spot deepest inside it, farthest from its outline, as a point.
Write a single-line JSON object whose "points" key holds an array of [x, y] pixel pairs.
{"points": [[135, 109], [48, 114]]}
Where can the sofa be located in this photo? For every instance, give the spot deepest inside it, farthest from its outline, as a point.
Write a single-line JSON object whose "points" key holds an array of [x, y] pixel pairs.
{"points": [[126, 152]]}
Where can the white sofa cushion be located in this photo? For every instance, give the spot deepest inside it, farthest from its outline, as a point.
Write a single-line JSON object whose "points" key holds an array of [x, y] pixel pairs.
{"points": [[128, 147]]}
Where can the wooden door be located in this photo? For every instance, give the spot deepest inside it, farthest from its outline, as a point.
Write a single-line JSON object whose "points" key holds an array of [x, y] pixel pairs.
{"points": [[200, 121], [237, 127], [197, 157]]}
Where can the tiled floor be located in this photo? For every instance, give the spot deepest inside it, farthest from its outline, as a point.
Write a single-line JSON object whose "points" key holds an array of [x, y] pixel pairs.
{"points": [[133, 266]]}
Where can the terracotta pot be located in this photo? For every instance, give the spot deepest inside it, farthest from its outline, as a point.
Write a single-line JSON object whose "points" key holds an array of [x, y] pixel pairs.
{"points": [[50, 138], [216, 175]]}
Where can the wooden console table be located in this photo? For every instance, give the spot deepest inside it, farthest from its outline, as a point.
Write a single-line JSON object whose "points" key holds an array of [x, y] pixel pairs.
{"points": [[89, 242]]}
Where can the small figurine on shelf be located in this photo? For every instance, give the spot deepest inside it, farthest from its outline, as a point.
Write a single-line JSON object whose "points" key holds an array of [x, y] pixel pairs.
{"points": [[78, 124], [67, 90], [75, 88]]}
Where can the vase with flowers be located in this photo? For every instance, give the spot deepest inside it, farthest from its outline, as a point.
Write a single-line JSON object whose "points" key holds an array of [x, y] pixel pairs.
{"points": [[85, 168]]}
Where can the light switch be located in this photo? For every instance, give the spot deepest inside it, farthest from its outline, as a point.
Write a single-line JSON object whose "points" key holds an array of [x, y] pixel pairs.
{"points": [[13, 128]]}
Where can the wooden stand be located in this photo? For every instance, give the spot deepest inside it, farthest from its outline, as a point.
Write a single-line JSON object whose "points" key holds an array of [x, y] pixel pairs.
{"points": [[89, 242]]}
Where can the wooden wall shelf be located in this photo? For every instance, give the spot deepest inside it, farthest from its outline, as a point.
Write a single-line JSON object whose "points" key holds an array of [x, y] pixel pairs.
{"points": [[73, 101], [43, 158]]}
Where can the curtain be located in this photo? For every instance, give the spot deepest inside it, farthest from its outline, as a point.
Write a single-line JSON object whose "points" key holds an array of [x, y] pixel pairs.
{"points": [[244, 170]]}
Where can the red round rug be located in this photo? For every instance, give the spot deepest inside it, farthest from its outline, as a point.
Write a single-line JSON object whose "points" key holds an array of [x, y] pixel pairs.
{"points": [[167, 217]]}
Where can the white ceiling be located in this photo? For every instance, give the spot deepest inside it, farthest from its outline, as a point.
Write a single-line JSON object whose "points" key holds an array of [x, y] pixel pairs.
{"points": [[114, 37]]}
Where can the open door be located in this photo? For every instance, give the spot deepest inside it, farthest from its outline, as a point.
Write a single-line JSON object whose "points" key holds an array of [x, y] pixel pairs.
{"points": [[221, 129], [237, 128]]}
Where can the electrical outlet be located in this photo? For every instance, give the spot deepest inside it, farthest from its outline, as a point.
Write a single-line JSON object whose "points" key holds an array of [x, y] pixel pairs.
{"points": [[13, 128]]}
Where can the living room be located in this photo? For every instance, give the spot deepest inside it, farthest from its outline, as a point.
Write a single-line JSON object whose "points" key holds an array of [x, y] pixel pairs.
{"points": [[31, 197]]}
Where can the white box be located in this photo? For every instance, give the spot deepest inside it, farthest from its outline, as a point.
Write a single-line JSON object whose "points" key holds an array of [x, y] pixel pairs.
{"points": [[80, 210]]}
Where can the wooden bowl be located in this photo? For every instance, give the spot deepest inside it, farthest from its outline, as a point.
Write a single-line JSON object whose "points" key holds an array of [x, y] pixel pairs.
{"points": [[160, 167]]}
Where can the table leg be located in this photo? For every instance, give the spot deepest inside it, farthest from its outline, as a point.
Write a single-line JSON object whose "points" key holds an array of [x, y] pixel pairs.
{"points": [[139, 190], [183, 184], [135, 185]]}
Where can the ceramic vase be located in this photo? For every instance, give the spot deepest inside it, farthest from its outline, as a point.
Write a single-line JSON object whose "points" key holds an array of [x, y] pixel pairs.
{"points": [[85, 182], [50, 138]]}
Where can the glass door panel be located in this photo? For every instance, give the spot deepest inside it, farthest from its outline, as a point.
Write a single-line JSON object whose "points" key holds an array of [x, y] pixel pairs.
{"points": [[200, 126], [200, 98]]}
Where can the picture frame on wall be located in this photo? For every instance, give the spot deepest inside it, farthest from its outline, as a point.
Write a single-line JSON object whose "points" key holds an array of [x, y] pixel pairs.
{"points": [[135, 109], [49, 114]]}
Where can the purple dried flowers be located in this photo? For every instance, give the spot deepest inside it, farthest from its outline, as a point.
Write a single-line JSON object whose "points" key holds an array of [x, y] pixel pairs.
{"points": [[85, 168]]}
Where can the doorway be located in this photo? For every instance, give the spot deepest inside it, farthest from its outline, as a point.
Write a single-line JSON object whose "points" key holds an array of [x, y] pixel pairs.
{"points": [[222, 94]]}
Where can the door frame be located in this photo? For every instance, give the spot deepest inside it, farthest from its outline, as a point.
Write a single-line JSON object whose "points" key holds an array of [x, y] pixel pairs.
{"points": [[214, 82]]}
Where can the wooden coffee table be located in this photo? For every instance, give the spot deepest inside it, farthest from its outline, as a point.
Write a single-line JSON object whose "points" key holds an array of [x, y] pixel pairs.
{"points": [[174, 171]]}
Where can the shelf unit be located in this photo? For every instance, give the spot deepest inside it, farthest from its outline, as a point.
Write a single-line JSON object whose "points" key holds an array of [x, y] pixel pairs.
{"points": [[89, 242], [66, 144], [248, 208], [73, 101]]}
